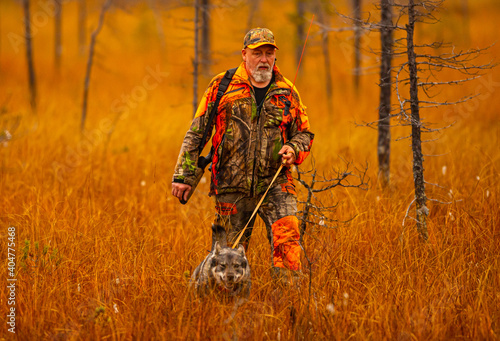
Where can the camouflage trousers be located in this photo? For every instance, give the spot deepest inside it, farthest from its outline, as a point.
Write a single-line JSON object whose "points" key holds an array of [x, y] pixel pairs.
{"points": [[233, 210]]}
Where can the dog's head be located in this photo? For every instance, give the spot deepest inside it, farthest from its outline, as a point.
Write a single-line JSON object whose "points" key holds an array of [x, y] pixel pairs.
{"points": [[229, 266]]}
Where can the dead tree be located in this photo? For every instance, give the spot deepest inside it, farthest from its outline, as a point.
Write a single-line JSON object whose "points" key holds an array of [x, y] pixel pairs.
{"points": [[422, 69], [384, 110], [205, 37], [416, 138], [196, 60], [357, 27], [93, 40], [301, 29], [323, 13], [414, 79], [314, 213], [201, 54], [57, 33], [254, 8], [82, 26], [357, 43], [29, 54]]}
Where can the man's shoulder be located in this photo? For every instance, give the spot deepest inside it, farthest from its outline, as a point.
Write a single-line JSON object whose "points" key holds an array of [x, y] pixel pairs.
{"points": [[282, 81], [217, 79]]}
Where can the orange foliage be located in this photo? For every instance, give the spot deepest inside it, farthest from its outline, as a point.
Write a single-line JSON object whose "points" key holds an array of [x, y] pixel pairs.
{"points": [[103, 250]]}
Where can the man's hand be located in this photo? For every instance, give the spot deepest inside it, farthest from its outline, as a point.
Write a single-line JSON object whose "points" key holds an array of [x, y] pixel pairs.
{"points": [[180, 191], [288, 155]]}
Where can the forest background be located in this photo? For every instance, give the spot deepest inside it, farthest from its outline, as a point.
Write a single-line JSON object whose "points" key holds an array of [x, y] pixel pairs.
{"points": [[102, 249]]}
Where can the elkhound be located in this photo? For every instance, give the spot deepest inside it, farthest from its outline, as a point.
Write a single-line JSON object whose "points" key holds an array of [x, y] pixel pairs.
{"points": [[224, 271]]}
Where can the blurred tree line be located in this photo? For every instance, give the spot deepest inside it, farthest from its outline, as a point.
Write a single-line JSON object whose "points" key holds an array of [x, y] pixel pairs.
{"points": [[383, 16]]}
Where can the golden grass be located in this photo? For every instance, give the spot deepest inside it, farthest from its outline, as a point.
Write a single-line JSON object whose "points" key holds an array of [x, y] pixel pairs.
{"points": [[104, 252]]}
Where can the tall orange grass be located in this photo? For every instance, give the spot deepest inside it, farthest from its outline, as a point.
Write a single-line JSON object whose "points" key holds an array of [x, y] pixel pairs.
{"points": [[104, 252]]}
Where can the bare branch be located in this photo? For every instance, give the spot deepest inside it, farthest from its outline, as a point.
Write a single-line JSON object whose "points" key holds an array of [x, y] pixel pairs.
{"points": [[459, 81], [312, 206], [408, 212]]}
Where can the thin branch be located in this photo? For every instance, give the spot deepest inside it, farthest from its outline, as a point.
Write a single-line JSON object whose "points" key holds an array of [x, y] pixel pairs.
{"points": [[408, 211]]}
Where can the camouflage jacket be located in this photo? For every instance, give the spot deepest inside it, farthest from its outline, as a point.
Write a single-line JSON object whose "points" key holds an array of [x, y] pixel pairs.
{"points": [[246, 143]]}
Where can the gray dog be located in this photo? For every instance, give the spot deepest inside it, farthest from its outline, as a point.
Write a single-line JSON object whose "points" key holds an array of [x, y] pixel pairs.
{"points": [[224, 271]]}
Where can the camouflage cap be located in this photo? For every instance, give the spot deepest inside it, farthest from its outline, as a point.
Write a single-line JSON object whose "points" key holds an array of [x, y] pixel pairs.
{"points": [[257, 37]]}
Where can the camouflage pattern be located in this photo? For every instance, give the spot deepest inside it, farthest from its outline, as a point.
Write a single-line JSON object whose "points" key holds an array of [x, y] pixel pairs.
{"points": [[257, 37], [246, 144], [278, 209]]}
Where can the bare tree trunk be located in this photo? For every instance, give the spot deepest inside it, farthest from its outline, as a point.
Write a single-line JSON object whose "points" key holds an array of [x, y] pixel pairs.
{"points": [[322, 18], [254, 8], [57, 34], [384, 110], [93, 39], [196, 57], [301, 30], [82, 20], [357, 43], [416, 141], [205, 37], [29, 54]]}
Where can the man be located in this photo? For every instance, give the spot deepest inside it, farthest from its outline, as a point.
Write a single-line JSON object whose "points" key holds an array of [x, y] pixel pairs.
{"points": [[258, 126]]}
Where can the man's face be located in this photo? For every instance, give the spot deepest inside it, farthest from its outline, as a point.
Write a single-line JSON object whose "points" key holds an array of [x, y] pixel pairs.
{"points": [[259, 63]]}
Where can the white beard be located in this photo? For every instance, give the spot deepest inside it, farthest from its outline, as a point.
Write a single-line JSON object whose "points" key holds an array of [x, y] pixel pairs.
{"points": [[262, 76]]}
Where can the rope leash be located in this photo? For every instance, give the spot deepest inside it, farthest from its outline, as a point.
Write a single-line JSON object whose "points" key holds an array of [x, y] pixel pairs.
{"points": [[257, 207]]}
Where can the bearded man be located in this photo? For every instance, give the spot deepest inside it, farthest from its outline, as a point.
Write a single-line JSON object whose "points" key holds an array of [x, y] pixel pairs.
{"points": [[260, 124]]}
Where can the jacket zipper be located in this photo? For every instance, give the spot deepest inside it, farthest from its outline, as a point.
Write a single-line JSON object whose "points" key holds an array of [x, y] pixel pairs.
{"points": [[257, 138]]}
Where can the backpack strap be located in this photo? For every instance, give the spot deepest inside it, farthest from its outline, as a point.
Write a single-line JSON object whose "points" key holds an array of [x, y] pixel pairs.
{"points": [[224, 83]]}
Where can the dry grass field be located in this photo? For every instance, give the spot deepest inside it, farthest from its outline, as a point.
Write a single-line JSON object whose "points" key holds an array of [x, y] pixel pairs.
{"points": [[104, 252]]}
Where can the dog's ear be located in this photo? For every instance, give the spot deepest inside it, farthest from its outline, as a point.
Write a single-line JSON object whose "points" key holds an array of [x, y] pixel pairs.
{"points": [[241, 250]]}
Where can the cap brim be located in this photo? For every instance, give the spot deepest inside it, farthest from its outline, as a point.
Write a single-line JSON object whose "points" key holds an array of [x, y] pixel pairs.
{"points": [[254, 46]]}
